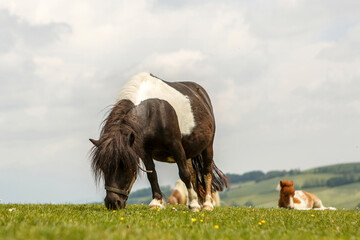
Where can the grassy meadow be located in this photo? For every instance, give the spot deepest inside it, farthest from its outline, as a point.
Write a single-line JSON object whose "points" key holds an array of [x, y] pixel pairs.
{"points": [[40, 221]]}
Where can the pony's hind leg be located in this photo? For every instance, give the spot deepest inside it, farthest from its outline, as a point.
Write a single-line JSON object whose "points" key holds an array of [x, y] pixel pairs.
{"points": [[317, 205], [207, 173], [193, 199], [192, 175], [158, 199], [185, 176]]}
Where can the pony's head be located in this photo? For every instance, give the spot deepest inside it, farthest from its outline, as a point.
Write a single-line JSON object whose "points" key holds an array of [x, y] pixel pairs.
{"points": [[287, 192], [114, 157]]}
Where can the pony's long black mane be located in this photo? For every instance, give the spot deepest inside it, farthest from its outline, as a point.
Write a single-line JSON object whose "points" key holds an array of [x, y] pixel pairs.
{"points": [[118, 139]]}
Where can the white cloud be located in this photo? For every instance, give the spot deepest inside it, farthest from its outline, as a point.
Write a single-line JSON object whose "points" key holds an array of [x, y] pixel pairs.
{"points": [[346, 50], [174, 64]]}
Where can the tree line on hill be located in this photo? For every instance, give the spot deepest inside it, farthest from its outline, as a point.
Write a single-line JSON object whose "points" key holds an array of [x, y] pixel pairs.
{"points": [[348, 168], [349, 174], [259, 176], [331, 182]]}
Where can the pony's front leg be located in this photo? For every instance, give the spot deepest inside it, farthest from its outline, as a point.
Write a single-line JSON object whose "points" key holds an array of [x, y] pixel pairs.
{"points": [[158, 199]]}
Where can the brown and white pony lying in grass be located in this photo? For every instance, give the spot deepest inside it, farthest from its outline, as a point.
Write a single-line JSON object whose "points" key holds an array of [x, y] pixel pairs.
{"points": [[180, 195], [300, 200]]}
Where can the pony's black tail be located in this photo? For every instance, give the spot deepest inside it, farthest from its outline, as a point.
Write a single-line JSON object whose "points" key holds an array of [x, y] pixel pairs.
{"points": [[219, 180]]}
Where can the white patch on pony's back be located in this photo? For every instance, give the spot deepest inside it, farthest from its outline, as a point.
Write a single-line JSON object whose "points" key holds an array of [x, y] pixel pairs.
{"points": [[144, 86], [300, 195]]}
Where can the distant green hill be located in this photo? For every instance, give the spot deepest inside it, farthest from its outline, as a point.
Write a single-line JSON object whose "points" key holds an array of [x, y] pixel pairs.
{"points": [[144, 196], [336, 185]]}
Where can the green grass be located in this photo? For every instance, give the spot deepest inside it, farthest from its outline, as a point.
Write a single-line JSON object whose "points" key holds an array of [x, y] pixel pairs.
{"points": [[139, 222]]}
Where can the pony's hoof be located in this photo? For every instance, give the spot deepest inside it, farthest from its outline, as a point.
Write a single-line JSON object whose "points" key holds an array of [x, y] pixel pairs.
{"points": [[208, 208], [194, 206], [157, 204], [195, 209], [155, 207]]}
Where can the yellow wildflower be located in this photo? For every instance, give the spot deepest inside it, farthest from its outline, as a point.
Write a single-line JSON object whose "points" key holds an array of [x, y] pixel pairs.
{"points": [[259, 223], [216, 226], [312, 215], [121, 219], [203, 214], [263, 221], [193, 219], [201, 220], [114, 210]]}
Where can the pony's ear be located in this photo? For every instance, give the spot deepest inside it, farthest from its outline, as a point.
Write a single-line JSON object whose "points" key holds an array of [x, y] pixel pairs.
{"points": [[281, 184], [95, 142], [131, 139], [292, 182]]}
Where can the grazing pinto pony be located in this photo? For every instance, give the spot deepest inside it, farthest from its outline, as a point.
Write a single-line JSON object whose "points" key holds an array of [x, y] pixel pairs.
{"points": [[180, 195], [301, 200], [170, 122]]}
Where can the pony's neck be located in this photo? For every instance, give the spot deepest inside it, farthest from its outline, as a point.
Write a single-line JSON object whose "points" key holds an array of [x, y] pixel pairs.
{"points": [[285, 200], [117, 117], [122, 130]]}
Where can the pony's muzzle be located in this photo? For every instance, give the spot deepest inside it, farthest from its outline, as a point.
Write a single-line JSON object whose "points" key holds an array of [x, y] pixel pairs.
{"points": [[114, 202]]}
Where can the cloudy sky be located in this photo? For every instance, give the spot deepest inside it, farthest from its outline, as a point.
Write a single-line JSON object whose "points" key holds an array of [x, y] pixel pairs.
{"points": [[283, 76]]}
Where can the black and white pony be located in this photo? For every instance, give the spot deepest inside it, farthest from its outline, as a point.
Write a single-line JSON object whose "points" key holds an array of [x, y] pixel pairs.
{"points": [[157, 120]]}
